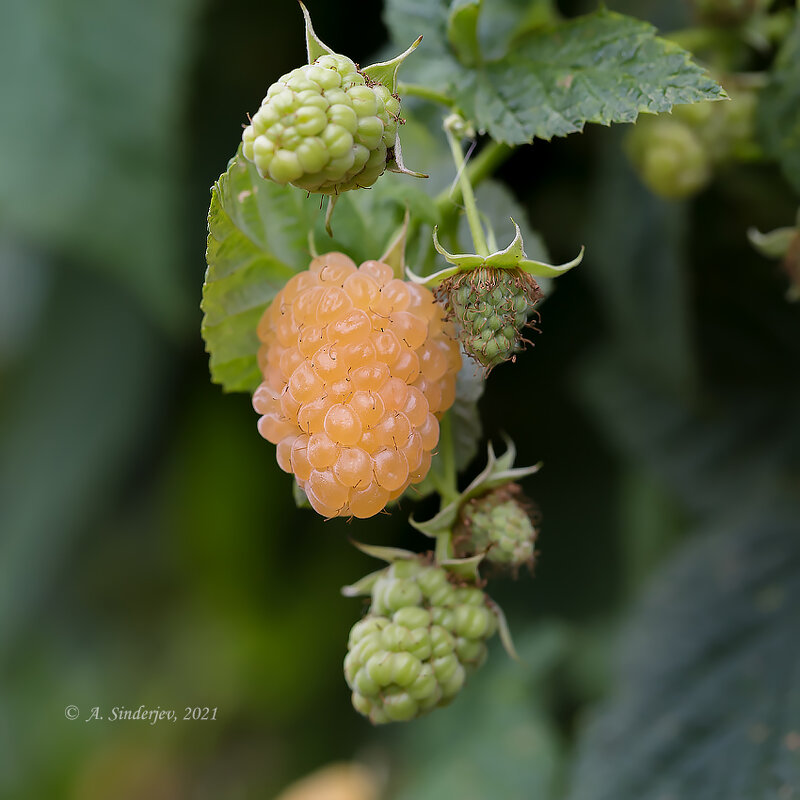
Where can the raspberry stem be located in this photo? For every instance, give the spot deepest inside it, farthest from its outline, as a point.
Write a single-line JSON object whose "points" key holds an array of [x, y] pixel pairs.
{"points": [[450, 475], [446, 482], [425, 93], [479, 168], [467, 195]]}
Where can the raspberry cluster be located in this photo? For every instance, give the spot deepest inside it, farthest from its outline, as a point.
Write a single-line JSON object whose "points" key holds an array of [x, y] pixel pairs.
{"points": [[412, 651], [358, 367], [324, 127], [492, 307]]}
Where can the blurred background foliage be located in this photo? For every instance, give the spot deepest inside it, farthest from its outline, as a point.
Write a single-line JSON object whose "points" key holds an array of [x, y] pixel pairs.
{"points": [[150, 551]]}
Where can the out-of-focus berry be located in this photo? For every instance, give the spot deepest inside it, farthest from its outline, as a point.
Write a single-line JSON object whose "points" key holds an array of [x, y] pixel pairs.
{"points": [[669, 157]]}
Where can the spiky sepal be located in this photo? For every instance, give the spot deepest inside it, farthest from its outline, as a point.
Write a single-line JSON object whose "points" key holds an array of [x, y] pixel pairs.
{"points": [[782, 243], [512, 257], [497, 472]]}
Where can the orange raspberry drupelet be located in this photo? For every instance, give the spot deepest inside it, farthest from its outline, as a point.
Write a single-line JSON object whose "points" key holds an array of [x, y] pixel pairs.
{"points": [[358, 368]]}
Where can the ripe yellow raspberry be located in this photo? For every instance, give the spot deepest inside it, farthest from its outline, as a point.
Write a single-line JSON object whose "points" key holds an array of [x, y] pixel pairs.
{"points": [[358, 368]]}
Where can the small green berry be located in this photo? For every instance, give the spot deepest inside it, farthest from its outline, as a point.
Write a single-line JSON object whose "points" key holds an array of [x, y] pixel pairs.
{"points": [[491, 307], [669, 156], [498, 524]]}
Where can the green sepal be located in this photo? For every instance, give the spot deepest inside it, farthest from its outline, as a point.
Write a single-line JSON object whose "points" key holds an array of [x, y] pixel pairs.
{"points": [[503, 630], [466, 568], [362, 587], [395, 163], [385, 72], [774, 244], [512, 257], [497, 472], [387, 554], [315, 47]]}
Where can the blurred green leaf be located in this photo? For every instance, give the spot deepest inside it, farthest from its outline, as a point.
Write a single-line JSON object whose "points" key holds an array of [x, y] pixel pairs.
{"points": [[462, 30], [497, 739], [74, 415], [93, 136], [259, 237], [708, 692], [714, 453], [714, 443], [502, 22], [779, 108], [636, 249]]}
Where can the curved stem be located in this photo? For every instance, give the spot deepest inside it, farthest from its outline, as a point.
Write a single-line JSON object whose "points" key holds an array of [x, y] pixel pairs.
{"points": [[479, 168], [424, 92], [467, 195]]}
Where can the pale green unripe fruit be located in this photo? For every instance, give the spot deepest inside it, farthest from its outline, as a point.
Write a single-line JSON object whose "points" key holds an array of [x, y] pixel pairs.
{"points": [[499, 525], [669, 157], [413, 650], [323, 127]]}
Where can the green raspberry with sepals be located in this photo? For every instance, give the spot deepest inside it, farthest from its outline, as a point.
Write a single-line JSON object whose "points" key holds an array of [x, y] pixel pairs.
{"points": [[328, 127], [425, 630]]}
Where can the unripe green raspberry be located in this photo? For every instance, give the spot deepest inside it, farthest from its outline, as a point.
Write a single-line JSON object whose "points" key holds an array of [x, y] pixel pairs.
{"points": [[412, 651], [492, 307], [324, 127], [499, 524], [669, 157], [726, 129]]}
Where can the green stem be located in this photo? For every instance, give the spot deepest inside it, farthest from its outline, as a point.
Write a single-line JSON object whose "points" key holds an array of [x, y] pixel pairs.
{"points": [[444, 547], [448, 453], [467, 195], [479, 168], [424, 92]]}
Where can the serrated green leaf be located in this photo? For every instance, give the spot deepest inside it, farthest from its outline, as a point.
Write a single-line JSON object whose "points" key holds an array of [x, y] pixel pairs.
{"points": [[462, 30], [708, 692], [602, 67], [779, 108], [259, 237], [256, 241]]}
